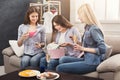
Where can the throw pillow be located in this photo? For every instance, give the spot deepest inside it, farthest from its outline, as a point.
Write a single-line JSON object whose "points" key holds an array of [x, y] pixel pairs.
{"points": [[110, 64], [17, 50]]}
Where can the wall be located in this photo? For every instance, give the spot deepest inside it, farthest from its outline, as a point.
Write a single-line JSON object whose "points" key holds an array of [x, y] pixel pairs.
{"points": [[11, 16], [65, 8], [109, 27]]}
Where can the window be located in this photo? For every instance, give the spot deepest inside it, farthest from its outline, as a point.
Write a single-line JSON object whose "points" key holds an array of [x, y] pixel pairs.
{"points": [[105, 10]]}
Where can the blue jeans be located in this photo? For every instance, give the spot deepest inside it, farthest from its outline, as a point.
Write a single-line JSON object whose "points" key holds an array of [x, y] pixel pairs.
{"points": [[43, 62], [67, 59], [33, 61], [51, 65], [74, 65]]}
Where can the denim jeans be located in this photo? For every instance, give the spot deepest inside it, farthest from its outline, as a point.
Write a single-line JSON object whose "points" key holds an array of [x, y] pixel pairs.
{"points": [[43, 62], [51, 65], [74, 65], [31, 60], [67, 59]]}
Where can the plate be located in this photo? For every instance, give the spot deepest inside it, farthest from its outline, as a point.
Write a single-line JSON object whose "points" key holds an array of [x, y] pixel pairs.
{"points": [[28, 73], [54, 75]]}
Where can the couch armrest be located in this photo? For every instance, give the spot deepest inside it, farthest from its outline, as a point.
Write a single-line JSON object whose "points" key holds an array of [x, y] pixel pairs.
{"points": [[110, 64], [8, 51]]}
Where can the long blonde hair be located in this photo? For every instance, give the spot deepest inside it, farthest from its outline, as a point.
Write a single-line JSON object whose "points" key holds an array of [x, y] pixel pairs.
{"points": [[85, 11]]}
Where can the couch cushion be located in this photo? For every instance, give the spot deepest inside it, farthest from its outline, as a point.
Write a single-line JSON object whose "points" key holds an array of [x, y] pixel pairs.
{"points": [[92, 74], [107, 76], [48, 38], [8, 51], [15, 60], [110, 64], [18, 50], [108, 51], [114, 41]]}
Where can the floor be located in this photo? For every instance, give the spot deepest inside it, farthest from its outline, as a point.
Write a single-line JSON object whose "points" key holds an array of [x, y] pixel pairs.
{"points": [[2, 72]]}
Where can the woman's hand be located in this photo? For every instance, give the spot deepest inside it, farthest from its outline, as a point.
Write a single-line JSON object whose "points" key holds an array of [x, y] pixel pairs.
{"points": [[25, 36], [65, 44], [37, 45], [78, 47]]}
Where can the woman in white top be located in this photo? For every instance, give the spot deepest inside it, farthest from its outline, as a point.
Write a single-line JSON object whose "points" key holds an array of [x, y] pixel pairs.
{"points": [[64, 32]]}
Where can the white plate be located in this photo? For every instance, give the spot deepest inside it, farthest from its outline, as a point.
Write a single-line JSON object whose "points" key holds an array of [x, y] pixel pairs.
{"points": [[57, 76], [28, 73]]}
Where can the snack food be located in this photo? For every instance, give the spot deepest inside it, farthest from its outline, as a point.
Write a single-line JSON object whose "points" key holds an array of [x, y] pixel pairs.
{"points": [[28, 73], [48, 75]]}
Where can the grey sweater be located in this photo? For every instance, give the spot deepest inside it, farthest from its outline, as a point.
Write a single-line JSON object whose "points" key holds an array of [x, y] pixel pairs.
{"points": [[70, 32], [29, 44]]}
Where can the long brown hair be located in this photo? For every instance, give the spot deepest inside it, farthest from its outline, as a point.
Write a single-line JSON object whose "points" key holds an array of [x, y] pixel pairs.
{"points": [[62, 21], [29, 11]]}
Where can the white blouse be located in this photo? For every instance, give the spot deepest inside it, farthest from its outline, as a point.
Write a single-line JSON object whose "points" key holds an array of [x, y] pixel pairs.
{"points": [[48, 16]]}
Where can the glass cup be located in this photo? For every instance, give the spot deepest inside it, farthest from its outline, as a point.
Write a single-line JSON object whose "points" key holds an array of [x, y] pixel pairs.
{"points": [[47, 58]]}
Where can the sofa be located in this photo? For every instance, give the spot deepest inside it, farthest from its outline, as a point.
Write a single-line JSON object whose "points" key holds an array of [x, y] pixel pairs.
{"points": [[109, 69]]}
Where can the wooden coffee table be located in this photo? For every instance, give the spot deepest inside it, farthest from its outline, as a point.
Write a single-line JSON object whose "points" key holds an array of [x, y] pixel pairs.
{"points": [[63, 76]]}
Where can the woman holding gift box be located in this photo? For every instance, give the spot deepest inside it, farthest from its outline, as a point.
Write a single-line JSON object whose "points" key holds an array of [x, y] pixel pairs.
{"points": [[65, 36]]}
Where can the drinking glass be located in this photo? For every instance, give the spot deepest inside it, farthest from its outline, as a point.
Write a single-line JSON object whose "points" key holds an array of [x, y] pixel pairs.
{"points": [[47, 58]]}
